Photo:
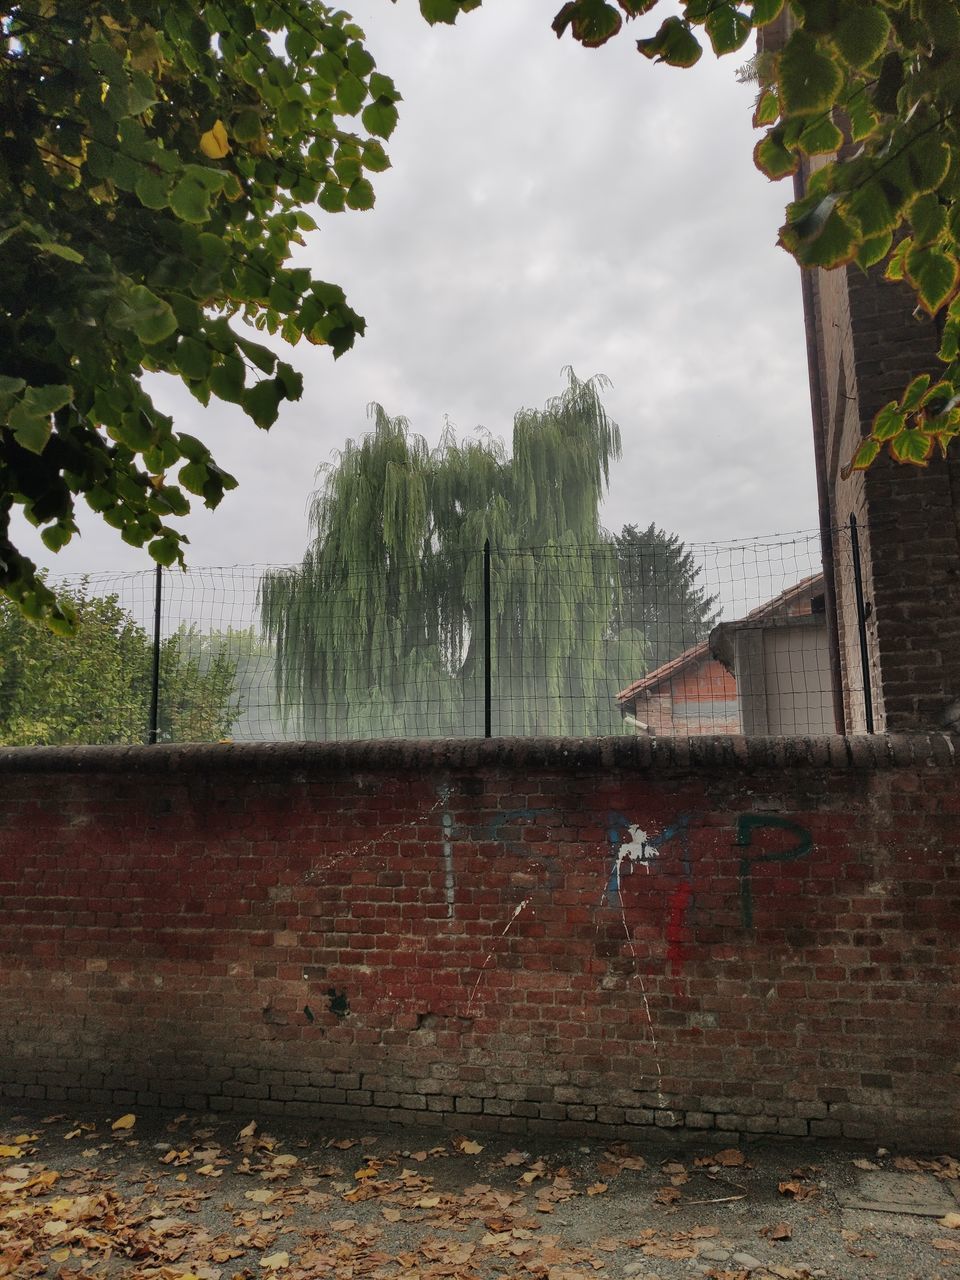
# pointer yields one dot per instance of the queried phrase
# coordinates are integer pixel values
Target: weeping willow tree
(379, 631)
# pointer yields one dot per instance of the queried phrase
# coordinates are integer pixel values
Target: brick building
(864, 343)
(767, 672)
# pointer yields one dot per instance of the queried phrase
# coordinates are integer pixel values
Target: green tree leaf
(820, 137)
(912, 397)
(934, 274)
(380, 118)
(862, 33)
(810, 80)
(262, 401)
(151, 318)
(727, 27)
(912, 446)
(889, 422)
(31, 419)
(674, 43)
(773, 158)
(864, 457)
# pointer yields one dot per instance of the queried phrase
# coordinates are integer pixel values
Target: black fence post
(154, 732)
(487, 671)
(861, 623)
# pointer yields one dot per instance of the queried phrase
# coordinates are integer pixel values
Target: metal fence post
(861, 623)
(154, 731)
(487, 672)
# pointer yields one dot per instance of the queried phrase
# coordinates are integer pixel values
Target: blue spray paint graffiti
(642, 849)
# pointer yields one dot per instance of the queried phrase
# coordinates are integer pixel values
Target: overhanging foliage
(155, 159)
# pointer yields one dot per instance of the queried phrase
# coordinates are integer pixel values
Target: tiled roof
(702, 650)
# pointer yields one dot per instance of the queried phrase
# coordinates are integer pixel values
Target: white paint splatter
(331, 861)
(483, 968)
(643, 989)
(639, 850)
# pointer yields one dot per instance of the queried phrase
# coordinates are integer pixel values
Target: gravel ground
(85, 1195)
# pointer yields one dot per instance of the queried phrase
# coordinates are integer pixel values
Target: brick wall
(482, 935)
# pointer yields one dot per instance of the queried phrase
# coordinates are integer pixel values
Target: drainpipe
(820, 459)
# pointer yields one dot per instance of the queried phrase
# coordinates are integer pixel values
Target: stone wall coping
(652, 755)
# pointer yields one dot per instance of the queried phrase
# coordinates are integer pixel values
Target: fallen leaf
(8, 1153)
(947, 1246)
(248, 1130)
(799, 1190)
(125, 1122)
(469, 1147)
(343, 1144)
(597, 1189)
(514, 1157)
(658, 1249)
(261, 1196)
(276, 1261)
(666, 1195)
(950, 1220)
(778, 1231)
(426, 1202)
(865, 1164)
(60, 1255)
(729, 1158)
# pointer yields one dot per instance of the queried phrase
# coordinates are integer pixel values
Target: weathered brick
(830, 1012)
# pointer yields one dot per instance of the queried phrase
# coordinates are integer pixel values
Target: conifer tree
(660, 594)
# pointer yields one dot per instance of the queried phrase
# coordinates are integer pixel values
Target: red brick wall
(436, 933)
(706, 681)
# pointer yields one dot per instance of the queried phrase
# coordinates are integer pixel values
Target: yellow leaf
(8, 1152)
(210, 1171)
(469, 1147)
(125, 1122)
(427, 1202)
(54, 1228)
(60, 1255)
(261, 1196)
(276, 1261)
(214, 143)
(26, 1137)
(248, 1130)
(950, 1220)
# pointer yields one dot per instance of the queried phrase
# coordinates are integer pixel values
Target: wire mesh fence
(637, 635)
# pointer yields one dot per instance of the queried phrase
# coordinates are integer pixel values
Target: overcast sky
(548, 205)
